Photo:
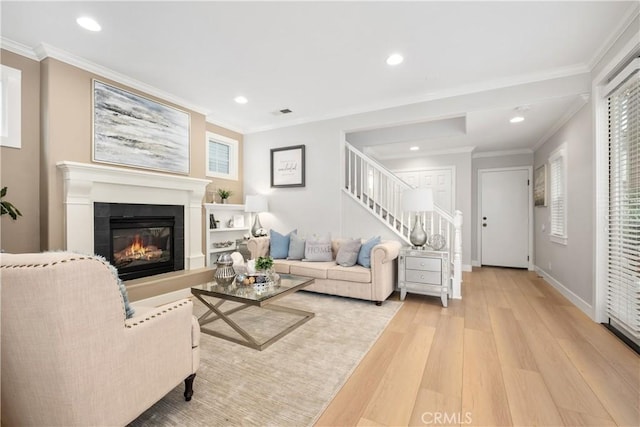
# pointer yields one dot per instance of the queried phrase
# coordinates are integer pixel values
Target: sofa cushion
(348, 252)
(364, 256)
(356, 273)
(279, 248)
(296, 246)
(283, 265)
(317, 270)
(318, 249)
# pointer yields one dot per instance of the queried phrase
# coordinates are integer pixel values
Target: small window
(10, 107)
(558, 194)
(222, 156)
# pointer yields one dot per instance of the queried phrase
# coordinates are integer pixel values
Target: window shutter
(623, 272)
(222, 156)
(558, 192)
(219, 157)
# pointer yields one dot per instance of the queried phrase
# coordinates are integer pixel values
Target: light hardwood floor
(514, 351)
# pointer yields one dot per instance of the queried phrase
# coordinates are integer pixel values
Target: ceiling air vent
(281, 112)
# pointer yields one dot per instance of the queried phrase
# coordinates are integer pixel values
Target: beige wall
(67, 135)
(19, 169)
(236, 187)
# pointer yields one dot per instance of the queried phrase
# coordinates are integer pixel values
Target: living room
(57, 126)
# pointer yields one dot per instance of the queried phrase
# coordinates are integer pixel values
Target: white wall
(315, 208)
(571, 267)
(319, 206)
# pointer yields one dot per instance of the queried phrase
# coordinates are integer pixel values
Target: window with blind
(222, 156)
(558, 194)
(10, 110)
(623, 270)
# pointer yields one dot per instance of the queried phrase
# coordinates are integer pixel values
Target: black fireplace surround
(139, 239)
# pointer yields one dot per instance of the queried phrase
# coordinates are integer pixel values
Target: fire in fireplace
(140, 245)
(140, 240)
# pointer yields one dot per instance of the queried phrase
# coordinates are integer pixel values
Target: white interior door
(504, 213)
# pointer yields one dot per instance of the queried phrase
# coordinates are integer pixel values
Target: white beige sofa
(69, 355)
(372, 284)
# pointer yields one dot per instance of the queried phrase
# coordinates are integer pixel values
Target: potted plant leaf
(224, 194)
(7, 207)
(264, 263)
(264, 268)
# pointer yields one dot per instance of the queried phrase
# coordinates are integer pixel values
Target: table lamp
(417, 200)
(256, 204)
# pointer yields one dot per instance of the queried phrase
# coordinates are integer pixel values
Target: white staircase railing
(379, 191)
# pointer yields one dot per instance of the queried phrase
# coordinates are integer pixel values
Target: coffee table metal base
(215, 313)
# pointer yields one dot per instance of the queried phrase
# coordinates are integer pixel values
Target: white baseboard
(475, 263)
(466, 267)
(584, 306)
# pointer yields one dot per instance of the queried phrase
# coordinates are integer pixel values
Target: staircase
(379, 191)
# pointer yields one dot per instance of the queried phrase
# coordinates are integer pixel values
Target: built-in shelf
(228, 229)
(223, 213)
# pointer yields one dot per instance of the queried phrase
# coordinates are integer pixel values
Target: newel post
(457, 256)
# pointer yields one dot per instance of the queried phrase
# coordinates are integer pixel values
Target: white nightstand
(424, 272)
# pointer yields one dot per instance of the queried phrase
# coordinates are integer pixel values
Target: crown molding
(634, 12)
(571, 111)
(500, 153)
(209, 119)
(370, 151)
(47, 51)
(18, 48)
(569, 71)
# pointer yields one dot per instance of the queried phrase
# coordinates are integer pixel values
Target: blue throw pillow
(364, 256)
(279, 244)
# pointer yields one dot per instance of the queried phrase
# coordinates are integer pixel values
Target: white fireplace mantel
(86, 183)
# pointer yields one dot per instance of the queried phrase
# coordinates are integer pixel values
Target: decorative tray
(222, 244)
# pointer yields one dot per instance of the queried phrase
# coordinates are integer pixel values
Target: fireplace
(140, 240)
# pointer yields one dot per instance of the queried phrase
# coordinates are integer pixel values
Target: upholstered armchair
(69, 354)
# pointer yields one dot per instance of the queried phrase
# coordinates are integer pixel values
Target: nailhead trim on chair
(94, 259)
(49, 263)
(76, 258)
(153, 316)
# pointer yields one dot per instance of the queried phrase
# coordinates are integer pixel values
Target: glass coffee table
(214, 295)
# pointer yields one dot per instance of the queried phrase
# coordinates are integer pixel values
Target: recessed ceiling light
(414, 148)
(520, 112)
(241, 99)
(88, 23)
(395, 59)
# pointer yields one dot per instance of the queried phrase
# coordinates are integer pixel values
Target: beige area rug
(289, 383)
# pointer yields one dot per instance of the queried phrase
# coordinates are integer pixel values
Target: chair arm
(166, 336)
(385, 251)
(258, 246)
(383, 269)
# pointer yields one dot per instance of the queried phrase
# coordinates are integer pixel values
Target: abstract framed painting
(287, 166)
(540, 186)
(131, 130)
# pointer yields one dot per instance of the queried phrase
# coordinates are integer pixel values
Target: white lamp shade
(417, 200)
(256, 203)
